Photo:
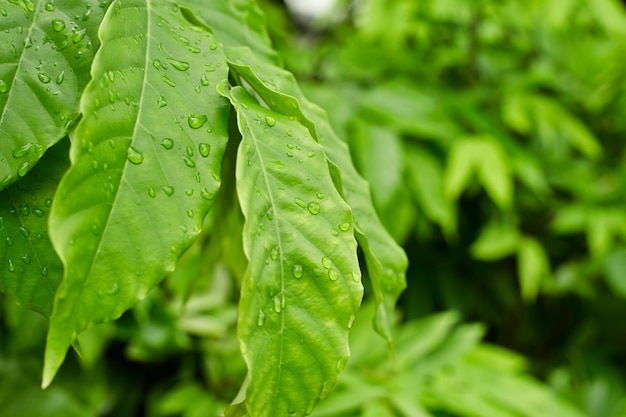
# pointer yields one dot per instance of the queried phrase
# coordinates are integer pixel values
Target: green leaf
(615, 271)
(302, 288)
(31, 269)
(386, 261)
(426, 182)
(45, 54)
(483, 156)
(146, 161)
(495, 241)
(532, 266)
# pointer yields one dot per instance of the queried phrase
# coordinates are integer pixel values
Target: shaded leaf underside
(146, 160)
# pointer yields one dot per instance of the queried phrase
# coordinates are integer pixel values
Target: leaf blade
(119, 225)
(302, 287)
(45, 66)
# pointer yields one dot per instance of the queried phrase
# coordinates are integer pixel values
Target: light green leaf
(495, 241)
(386, 261)
(426, 182)
(45, 54)
(146, 161)
(532, 267)
(302, 288)
(615, 271)
(483, 156)
(30, 269)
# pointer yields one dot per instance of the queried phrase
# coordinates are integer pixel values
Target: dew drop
(356, 277)
(135, 156)
(311, 154)
(48, 202)
(168, 190)
(334, 232)
(43, 78)
(213, 46)
(344, 227)
(168, 81)
(326, 262)
(274, 254)
(341, 364)
(79, 36)
(38, 212)
(206, 194)
(277, 304)
(332, 274)
(3, 86)
(270, 214)
(11, 266)
(189, 192)
(297, 271)
(189, 150)
(9, 241)
(167, 143)
(23, 150)
(58, 25)
(290, 154)
(50, 7)
(196, 121)
(26, 258)
(156, 64)
(24, 209)
(60, 77)
(261, 319)
(204, 149)
(313, 207)
(151, 192)
(189, 162)
(270, 121)
(319, 195)
(161, 102)
(23, 168)
(115, 288)
(179, 65)
(351, 321)
(190, 214)
(299, 202)
(204, 80)
(24, 231)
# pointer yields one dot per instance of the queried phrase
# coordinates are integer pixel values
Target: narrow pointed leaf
(386, 261)
(302, 287)
(30, 269)
(45, 53)
(146, 160)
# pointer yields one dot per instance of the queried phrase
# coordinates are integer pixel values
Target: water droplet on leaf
(58, 25)
(344, 227)
(135, 156)
(313, 207)
(23, 150)
(151, 192)
(23, 168)
(11, 266)
(60, 77)
(179, 65)
(43, 78)
(168, 190)
(274, 254)
(261, 319)
(297, 271)
(167, 143)
(270, 121)
(326, 262)
(204, 149)
(299, 202)
(196, 121)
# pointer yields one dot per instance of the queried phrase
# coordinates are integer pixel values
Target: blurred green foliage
(492, 135)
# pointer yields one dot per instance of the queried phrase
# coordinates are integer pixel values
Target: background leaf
(45, 54)
(302, 287)
(145, 165)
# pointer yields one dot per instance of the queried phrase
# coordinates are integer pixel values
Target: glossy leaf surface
(302, 288)
(45, 53)
(145, 168)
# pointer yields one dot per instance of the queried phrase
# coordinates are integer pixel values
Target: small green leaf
(45, 56)
(30, 269)
(146, 160)
(532, 265)
(495, 241)
(302, 287)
